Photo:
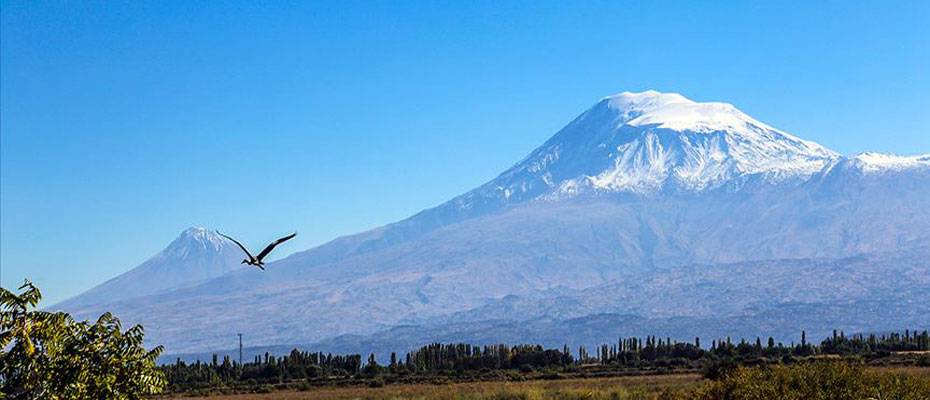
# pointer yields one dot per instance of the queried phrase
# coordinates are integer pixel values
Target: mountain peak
(646, 100)
(198, 232)
(678, 113)
(196, 255)
(647, 141)
(199, 237)
(195, 230)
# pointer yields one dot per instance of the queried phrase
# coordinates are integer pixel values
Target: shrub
(718, 369)
(45, 355)
(924, 361)
(820, 380)
(314, 371)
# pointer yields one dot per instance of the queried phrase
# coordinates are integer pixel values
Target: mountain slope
(639, 183)
(633, 146)
(197, 255)
(778, 298)
(636, 143)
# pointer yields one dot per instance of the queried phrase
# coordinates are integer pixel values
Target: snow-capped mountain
(637, 189)
(643, 142)
(195, 256)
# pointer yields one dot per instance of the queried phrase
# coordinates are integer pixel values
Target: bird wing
(237, 242)
(273, 244)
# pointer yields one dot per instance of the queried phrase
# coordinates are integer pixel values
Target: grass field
(613, 388)
(623, 387)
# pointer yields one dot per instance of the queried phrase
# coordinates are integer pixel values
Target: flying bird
(257, 260)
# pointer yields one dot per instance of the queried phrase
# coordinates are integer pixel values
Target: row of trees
(296, 365)
(858, 344)
(302, 365)
(630, 353)
(439, 356)
(634, 351)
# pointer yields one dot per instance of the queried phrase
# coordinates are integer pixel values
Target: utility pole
(240, 350)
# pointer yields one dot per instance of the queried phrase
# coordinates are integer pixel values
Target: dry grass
(689, 386)
(910, 370)
(645, 387)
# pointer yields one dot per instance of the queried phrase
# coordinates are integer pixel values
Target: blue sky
(121, 124)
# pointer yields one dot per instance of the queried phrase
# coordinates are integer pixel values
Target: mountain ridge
(687, 203)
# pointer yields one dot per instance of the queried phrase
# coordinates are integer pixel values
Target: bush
(718, 369)
(820, 380)
(50, 356)
(924, 361)
(314, 371)
(551, 375)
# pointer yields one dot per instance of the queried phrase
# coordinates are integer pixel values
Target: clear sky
(123, 124)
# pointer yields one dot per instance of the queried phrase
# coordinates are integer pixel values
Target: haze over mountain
(648, 214)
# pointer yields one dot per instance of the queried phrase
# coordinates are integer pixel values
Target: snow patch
(198, 236)
(878, 162)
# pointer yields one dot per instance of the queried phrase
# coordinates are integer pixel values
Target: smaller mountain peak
(199, 235)
(198, 232)
(195, 230)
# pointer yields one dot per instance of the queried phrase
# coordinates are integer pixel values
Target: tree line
(648, 353)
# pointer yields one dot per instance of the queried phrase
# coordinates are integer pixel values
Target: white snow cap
(645, 101)
(198, 232)
(199, 236)
(643, 142)
(676, 112)
(747, 147)
(875, 162)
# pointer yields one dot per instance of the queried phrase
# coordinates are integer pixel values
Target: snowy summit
(651, 141)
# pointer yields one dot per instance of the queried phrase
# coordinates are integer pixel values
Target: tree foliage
(48, 355)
